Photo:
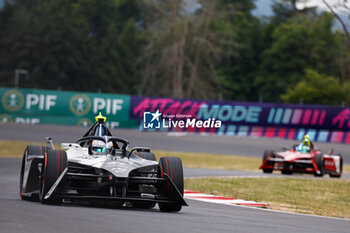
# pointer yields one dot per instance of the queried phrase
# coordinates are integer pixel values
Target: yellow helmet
(306, 140)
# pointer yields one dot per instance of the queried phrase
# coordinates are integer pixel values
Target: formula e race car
(100, 169)
(300, 160)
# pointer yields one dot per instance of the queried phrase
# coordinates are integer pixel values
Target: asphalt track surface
(234, 145)
(22, 216)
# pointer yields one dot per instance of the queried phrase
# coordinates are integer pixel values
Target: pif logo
(13, 100)
(151, 120)
(5, 118)
(80, 104)
(84, 122)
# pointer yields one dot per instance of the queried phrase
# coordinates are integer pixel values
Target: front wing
(87, 183)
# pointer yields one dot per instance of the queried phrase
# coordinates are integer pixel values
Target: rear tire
(318, 158)
(272, 163)
(172, 166)
(55, 162)
(30, 150)
(147, 155)
(340, 169)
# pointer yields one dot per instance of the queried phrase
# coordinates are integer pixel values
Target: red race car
(302, 160)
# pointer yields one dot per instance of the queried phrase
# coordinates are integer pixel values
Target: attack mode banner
(33, 106)
(323, 123)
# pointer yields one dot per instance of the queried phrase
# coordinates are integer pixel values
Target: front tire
(55, 162)
(172, 166)
(318, 158)
(272, 163)
(32, 182)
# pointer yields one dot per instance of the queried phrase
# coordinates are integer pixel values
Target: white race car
(99, 168)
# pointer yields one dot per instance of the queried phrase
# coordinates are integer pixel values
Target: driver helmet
(306, 140)
(98, 147)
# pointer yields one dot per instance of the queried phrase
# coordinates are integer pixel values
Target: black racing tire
(30, 150)
(172, 166)
(55, 162)
(147, 155)
(340, 169)
(318, 158)
(265, 155)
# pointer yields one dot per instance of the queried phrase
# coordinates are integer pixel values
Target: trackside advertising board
(322, 123)
(33, 106)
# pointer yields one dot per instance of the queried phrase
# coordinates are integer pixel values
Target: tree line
(175, 48)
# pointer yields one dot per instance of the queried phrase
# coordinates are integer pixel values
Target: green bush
(316, 88)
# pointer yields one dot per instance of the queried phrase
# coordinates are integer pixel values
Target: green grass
(310, 196)
(15, 149)
(214, 161)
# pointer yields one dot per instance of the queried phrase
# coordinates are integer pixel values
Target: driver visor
(99, 149)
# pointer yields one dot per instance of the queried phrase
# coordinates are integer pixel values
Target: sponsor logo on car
(329, 164)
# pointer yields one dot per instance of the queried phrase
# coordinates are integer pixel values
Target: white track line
(221, 200)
